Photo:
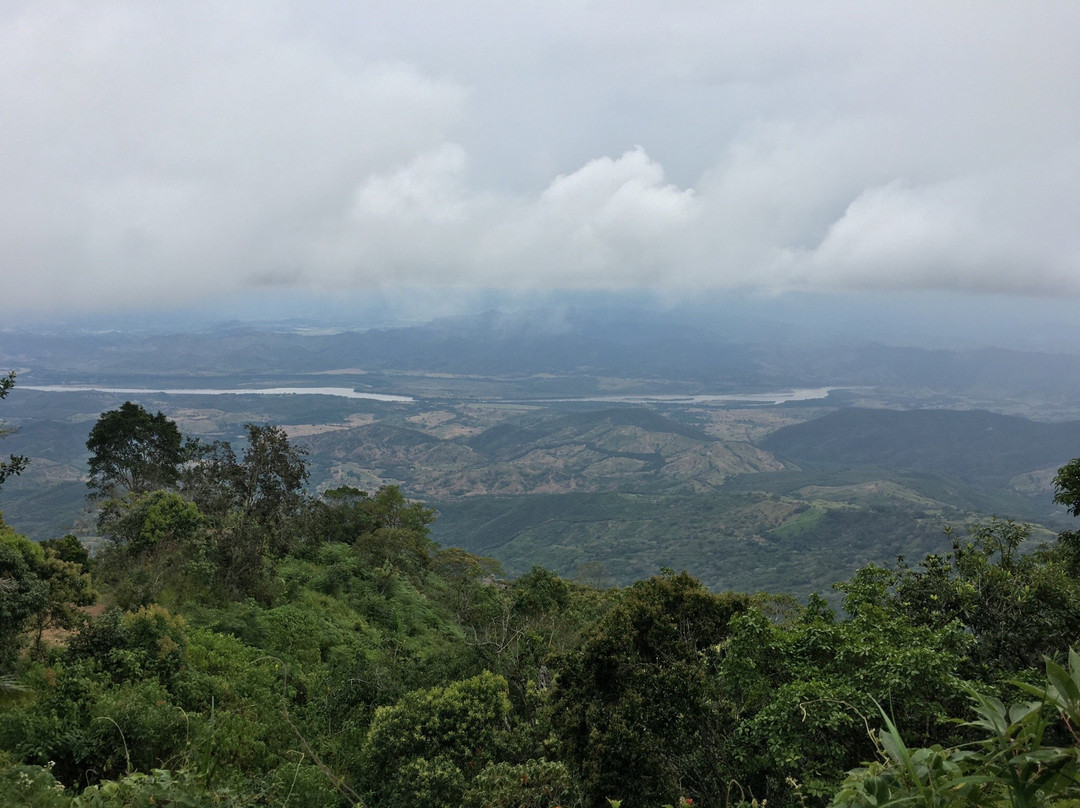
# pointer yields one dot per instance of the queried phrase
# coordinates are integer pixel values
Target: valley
(786, 490)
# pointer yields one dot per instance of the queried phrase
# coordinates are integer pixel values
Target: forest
(239, 641)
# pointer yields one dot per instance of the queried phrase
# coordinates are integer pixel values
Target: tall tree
(134, 451)
(22, 593)
(253, 503)
(15, 463)
(1067, 493)
(635, 704)
(1067, 486)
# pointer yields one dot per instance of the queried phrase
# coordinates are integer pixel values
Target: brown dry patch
(749, 424)
(58, 637)
(454, 431)
(307, 430)
(431, 419)
(48, 472)
(197, 421)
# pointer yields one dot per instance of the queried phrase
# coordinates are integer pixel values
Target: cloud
(610, 223)
(983, 232)
(151, 153)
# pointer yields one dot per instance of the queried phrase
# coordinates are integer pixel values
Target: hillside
(623, 449)
(976, 446)
(784, 498)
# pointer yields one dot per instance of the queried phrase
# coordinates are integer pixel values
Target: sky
(159, 154)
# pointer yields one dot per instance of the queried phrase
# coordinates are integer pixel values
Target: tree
(15, 463)
(42, 592)
(270, 485)
(252, 504)
(797, 691)
(266, 486)
(1018, 607)
(22, 595)
(68, 588)
(156, 541)
(1067, 485)
(134, 451)
(424, 749)
(635, 704)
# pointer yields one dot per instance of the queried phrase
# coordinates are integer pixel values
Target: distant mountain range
(537, 354)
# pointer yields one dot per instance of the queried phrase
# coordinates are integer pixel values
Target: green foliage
(40, 591)
(635, 704)
(733, 538)
(156, 787)
(1067, 486)
(342, 514)
(133, 451)
(69, 587)
(533, 784)
(253, 505)
(423, 750)
(22, 595)
(386, 529)
(30, 787)
(15, 464)
(1018, 607)
(1011, 763)
(156, 542)
(799, 692)
(327, 653)
(91, 727)
(69, 548)
(268, 486)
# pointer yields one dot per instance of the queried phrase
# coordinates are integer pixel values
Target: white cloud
(610, 223)
(153, 152)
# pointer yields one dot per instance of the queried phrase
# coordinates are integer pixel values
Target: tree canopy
(133, 451)
(259, 645)
(15, 463)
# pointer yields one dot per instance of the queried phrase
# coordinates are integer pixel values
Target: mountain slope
(974, 445)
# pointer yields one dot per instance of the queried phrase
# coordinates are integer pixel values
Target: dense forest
(237, 641)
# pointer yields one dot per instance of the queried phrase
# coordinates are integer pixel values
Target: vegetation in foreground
(252, 645)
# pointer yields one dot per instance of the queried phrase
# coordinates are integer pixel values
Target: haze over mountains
(570, 437)
(651, 350)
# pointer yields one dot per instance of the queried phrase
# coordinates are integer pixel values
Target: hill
(623, 449)
(977, 446)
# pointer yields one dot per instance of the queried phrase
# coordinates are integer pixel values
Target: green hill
(974, 445)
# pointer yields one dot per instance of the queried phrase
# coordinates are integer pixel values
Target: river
(342, 392)
(774, 397)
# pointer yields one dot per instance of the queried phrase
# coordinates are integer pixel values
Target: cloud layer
(162, 152)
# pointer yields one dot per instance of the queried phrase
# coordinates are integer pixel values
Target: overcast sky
(166, 152)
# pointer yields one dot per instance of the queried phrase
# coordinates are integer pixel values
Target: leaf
(1063, 683)
(1019, 712)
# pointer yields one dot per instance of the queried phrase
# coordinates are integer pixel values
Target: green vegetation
(570, 486)
(15, 463)
(132, 451)
(237, 641)
(731, 539)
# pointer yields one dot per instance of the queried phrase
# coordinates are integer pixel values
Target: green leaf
(1062, 682)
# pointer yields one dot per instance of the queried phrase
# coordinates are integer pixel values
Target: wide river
(343, 392)
(774, 397)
